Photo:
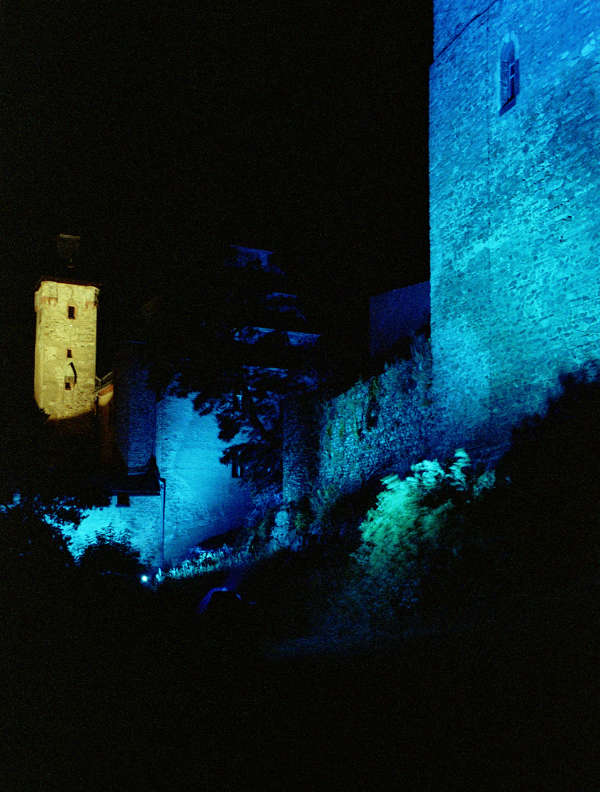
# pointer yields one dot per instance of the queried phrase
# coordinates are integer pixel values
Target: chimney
(67, 247)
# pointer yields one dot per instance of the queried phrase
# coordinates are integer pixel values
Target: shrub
(547, 505)
(31, 540)
(204, 561)
(37, 566)
(109, 556)
(415, 531)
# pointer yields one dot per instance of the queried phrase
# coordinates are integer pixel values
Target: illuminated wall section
(137, 519)
(514, 178)
(201, 497)
(65, 347)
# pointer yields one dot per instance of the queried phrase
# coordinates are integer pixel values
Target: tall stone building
(514, 179)
(159, 460)
(65, 347)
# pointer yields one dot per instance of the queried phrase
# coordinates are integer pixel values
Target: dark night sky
(138, 125)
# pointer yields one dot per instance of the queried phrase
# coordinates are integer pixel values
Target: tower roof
(60, 279)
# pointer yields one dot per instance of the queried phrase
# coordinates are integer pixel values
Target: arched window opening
(509, 77)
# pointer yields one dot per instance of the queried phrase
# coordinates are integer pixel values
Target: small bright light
(144, 578)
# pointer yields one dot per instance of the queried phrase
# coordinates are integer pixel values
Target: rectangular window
(237, 469)
(67, 385)
(69, 353)
(71, 311)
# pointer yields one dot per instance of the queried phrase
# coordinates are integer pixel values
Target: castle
(514, 291)
(514, 134)
(514, 172)
(513, 139)
(160, 458)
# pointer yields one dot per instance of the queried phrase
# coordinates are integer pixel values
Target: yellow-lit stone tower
(65, 346)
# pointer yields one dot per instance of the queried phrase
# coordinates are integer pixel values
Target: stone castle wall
(377, 426)
(515, 292)
(140, 523)
(452, 16)
(201, 497)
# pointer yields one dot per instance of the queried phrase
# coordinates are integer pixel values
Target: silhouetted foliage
(31, 540)
(201, 342)
(540, 524)
(37, 567)
(549, 498)
(109, 556)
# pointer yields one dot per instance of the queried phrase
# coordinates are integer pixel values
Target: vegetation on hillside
(219, 333)
(431, 548)
(443, 545)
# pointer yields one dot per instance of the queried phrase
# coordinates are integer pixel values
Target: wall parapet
(379, 425)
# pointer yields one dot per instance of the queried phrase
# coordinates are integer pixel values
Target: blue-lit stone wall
(202, 499)
(451, 16)
(139, 523)
(300, 443)
(515, 286)
(378, 426)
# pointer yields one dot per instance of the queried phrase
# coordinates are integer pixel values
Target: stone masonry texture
(378, 426)
(65, 348)
(514, 224)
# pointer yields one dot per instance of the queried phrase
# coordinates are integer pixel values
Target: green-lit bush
(414, 533)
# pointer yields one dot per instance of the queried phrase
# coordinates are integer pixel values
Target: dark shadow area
(544, 513)
(112, 688)
(532, 541)
(113, 685)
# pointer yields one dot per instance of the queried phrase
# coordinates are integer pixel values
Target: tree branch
(250, 408)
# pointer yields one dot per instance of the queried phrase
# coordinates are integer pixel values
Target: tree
(228, 335)
(46, 480)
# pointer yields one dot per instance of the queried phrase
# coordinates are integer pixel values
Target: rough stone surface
(202, 499)
(299, 460)
(139, 523)
(64, 385)
(514, 226)
(452, 16)
(377, 426)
